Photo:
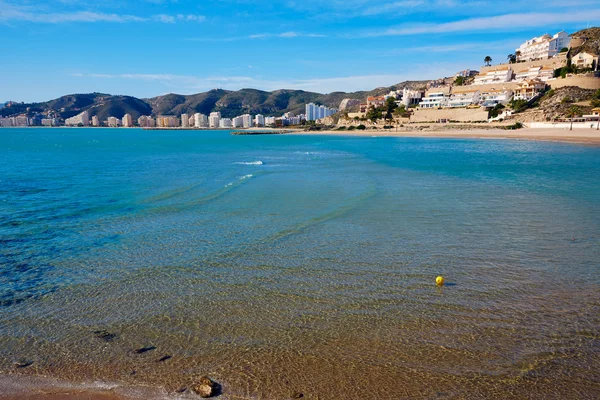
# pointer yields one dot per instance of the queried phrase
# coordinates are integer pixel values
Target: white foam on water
(250, 163)
(246, 176)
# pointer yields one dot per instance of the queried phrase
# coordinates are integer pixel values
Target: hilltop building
(527, 90)
(543, 47)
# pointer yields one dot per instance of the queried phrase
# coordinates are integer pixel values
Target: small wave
(251, 163)
(246, 176)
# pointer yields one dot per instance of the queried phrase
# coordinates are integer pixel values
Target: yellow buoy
(439, 281)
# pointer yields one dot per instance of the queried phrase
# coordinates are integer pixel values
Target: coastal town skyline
(367, 46)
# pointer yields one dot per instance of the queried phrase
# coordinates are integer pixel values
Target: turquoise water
(302, 263)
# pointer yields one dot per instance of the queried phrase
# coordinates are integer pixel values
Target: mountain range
(229, 103)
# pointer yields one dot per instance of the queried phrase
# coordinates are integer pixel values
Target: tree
(511, 58)
(459, 81)
(390, 106)
(518, 55)
(573, 112)
(487, 60)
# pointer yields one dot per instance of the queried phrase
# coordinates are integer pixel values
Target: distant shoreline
(582, 136)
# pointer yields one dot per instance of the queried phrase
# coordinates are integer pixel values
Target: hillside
(229, 103)
(591, 41)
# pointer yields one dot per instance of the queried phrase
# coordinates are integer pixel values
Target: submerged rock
(206, 387)
(297, 395)
(164, 358)
(23, 363)
(145, 349)
(105, 335)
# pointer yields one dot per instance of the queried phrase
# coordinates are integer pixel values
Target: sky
(146, 48)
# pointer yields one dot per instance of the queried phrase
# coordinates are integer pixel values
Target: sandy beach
(586, 136)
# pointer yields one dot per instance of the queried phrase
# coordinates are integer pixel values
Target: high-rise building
(214, 119)
(146, 122)
(237, 122)
(225, 123)
(200, 120)
(315, 112)
(113, 122)
(95, 121)
(259, 120)
(247, 120)
(185, 121)
(127, 121)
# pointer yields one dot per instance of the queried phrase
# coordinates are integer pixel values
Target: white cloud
(491, 24)
(9, 12)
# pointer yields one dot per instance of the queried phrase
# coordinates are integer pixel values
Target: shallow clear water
(312, 270)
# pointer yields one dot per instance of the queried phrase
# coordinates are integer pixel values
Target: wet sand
(584, 136)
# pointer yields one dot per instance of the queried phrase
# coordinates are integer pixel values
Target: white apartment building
(540, 73)
(167, 121)
(410, 97)
(543, 47)
(225, 123)
(586, 60)
(146, 122)
(185, 121)
(127, 121)
(270, 121)
(434, 100)
(113, 122)
(95, 121)
(259, 120)
(214, 119)
(502, 75)
(22, 120)
(6, 122)
(81, 118)
(47, 122)
(493, 97)
(237, 122)
(200, 120)
(463, 99)
(247, 121)
(315, 112)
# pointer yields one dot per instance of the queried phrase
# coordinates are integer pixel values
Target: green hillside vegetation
(229, 103)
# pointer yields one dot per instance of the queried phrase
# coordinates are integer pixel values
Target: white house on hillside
(501, 75)
(463, 99)
(543, 47)
(434, 100)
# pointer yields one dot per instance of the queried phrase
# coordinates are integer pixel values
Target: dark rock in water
(145, 349)
(105, 335)
(206, 387)
(133, 372)
(23, 363)
(164, 358)
(181, 389)
(297, 395)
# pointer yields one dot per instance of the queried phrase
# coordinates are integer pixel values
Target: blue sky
(146, 48)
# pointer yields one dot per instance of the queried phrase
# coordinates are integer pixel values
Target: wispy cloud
(14, 13)
(490, 24)
(255, 36)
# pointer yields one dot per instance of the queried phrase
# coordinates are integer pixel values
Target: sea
(300, 266)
